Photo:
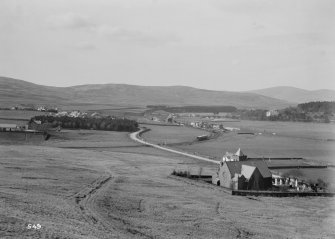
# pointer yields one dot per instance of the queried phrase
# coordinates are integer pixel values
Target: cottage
(8, 127)
(244, 175)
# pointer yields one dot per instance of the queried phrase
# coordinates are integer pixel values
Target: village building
(195, 124)
(9, 127)
(41, 108)
(74, 114)
(63, 113)
(243, 175)
(272, 113)
(231, 129)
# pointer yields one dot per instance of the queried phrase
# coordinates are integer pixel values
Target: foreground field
(100, 193)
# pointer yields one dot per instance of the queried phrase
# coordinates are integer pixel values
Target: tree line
(318, 111)
(104, 123)
(194, 108)
(327, 107)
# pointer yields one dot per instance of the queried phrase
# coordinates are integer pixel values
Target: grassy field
(306, 140)
(18, 117)
(296, 130)
(172, 134)
(114, 188)
(267, 146)
(20, 114)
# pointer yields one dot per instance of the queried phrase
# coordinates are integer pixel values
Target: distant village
(37, 125)
(32, 108)
(54, 110)
(204, 121)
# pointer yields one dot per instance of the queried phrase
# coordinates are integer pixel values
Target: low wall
(280, 194)
(300, 166)
(143, 131)
(267, 158)
(158, 124)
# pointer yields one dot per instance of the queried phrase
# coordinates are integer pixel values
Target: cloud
(70, 21)
(84, 45)
(244, 6)
(74, 21)
(119, 34)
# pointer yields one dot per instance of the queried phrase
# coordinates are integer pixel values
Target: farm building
(8, 127)
(244, 175)
(202, 137)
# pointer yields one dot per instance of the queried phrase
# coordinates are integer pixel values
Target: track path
(135, 136)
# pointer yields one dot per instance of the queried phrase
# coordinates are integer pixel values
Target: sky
(233, 45)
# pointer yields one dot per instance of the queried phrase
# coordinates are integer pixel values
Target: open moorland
(19, 117)
(114, 188)
(19, 114)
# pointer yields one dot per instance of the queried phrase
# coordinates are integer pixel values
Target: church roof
(236, 166)
(247, 171)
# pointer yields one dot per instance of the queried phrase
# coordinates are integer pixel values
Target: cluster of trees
(318, 111)
(326, 107)
(292, 114)
(104, 123)
(306, 112)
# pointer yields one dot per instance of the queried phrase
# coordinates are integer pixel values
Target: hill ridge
(297, 95)
(14, 91)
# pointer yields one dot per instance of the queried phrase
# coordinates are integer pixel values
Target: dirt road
(135, 136)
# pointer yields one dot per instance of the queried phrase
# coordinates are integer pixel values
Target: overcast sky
(212, 44)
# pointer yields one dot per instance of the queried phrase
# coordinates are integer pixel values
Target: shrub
(180, 173)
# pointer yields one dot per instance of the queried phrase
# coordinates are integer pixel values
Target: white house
(272, 113)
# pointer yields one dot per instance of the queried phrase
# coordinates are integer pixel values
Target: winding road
(134, 136)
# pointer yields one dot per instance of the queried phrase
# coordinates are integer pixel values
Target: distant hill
(13, 91)
(296, 95)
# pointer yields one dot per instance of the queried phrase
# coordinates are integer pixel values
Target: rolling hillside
(14, 91)
(297, 95)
